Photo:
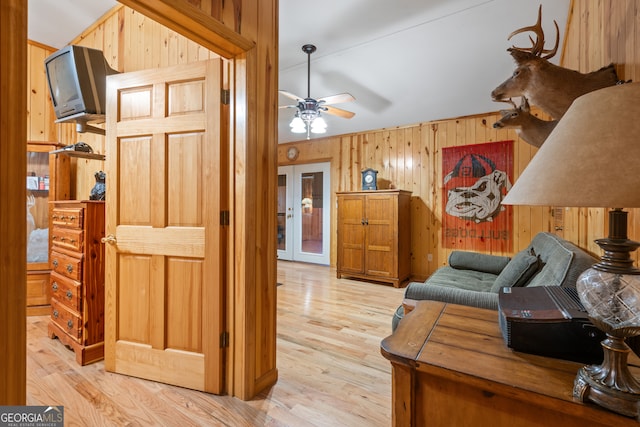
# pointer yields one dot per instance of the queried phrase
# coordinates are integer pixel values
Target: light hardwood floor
(331, 372)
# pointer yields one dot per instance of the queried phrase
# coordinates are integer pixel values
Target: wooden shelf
(80, 154)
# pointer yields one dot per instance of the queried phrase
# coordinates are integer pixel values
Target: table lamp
(592, 159)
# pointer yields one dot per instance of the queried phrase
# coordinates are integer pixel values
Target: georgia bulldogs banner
(476, 179)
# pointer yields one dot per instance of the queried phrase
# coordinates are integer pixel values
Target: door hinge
(224, 217)
(225, 96)
(224, 340)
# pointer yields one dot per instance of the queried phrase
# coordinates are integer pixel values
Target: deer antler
(537, 47)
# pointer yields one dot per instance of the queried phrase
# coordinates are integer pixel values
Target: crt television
(77, 81)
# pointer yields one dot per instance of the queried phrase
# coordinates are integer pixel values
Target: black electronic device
(549, 321)
(76, 76)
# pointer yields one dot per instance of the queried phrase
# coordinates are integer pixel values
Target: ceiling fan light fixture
(319, 125)
(308, 110)
(297, 125)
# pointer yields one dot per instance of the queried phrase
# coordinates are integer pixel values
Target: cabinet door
(381, 220)
(351, 234)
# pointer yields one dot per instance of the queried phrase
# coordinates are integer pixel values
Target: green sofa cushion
(477, 261)
(518, 272)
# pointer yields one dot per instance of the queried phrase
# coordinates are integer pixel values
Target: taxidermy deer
(548, 86)
(528, 127)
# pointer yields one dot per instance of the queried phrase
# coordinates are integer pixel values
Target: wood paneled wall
(598, 32)
(409, 158)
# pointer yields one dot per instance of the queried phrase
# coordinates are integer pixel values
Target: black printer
(549, 321)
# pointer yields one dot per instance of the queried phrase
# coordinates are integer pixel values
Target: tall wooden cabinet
(374, 235)
(77, 277)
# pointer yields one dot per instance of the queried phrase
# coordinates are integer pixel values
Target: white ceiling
(405, 61)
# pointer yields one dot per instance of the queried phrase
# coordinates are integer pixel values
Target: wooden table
(451, 367)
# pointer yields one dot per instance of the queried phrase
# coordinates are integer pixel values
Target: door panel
(165, 281)
(285, 213)
(380, 236)
(303, 216)
(351, 241)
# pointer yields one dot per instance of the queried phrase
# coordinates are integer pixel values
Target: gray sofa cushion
(477, 261)
(449, 277)
(518, 272)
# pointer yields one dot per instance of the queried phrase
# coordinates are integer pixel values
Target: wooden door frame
(13, 169)
(247, 372)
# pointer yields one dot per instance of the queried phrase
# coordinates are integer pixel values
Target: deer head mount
(537, 48)
(530, 128)
(546, 85)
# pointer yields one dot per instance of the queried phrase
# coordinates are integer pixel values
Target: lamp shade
(592, 157)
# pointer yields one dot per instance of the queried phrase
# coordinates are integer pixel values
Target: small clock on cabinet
(369, 179)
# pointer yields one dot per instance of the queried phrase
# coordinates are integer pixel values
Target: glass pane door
(285, 214)
(303, 213)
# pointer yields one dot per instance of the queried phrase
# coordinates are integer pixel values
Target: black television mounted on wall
(76, 76)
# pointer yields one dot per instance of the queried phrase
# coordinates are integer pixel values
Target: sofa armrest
(424, 291)
(486, 263)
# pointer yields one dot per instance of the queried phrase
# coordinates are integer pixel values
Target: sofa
(475, 279)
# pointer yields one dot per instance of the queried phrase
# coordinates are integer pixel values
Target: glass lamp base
(611, 384)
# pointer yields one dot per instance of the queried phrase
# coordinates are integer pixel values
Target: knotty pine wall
(598, 32)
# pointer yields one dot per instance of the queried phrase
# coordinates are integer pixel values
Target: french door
(304, 213)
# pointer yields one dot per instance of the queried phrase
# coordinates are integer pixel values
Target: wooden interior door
(164, 304)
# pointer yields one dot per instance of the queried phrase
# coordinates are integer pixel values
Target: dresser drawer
(66, 291)
(67, 217)
(66, 265)
(69, 321)
(69, 238)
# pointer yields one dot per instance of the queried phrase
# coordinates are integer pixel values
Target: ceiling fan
(308, 117)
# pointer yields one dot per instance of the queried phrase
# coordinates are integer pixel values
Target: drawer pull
(69, 324)
(72, 240)
(54, 237)
(54, 216)
(55, 263)
(55, 313)
(62, 239)
(70, 268)
(62, 217)
(69, 294)
(54, 286)
(72, 217)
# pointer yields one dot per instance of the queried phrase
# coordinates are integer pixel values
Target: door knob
(110, 239)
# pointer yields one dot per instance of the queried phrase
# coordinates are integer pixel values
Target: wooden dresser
(374, 235)
(77, 277)
(451, 367)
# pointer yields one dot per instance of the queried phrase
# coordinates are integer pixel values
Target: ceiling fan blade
(287, 106)
(290, 95)
(337, 99)
(338, 112)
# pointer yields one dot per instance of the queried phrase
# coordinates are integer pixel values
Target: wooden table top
(449, 339)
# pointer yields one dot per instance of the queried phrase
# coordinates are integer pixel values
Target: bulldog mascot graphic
(475, 189)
